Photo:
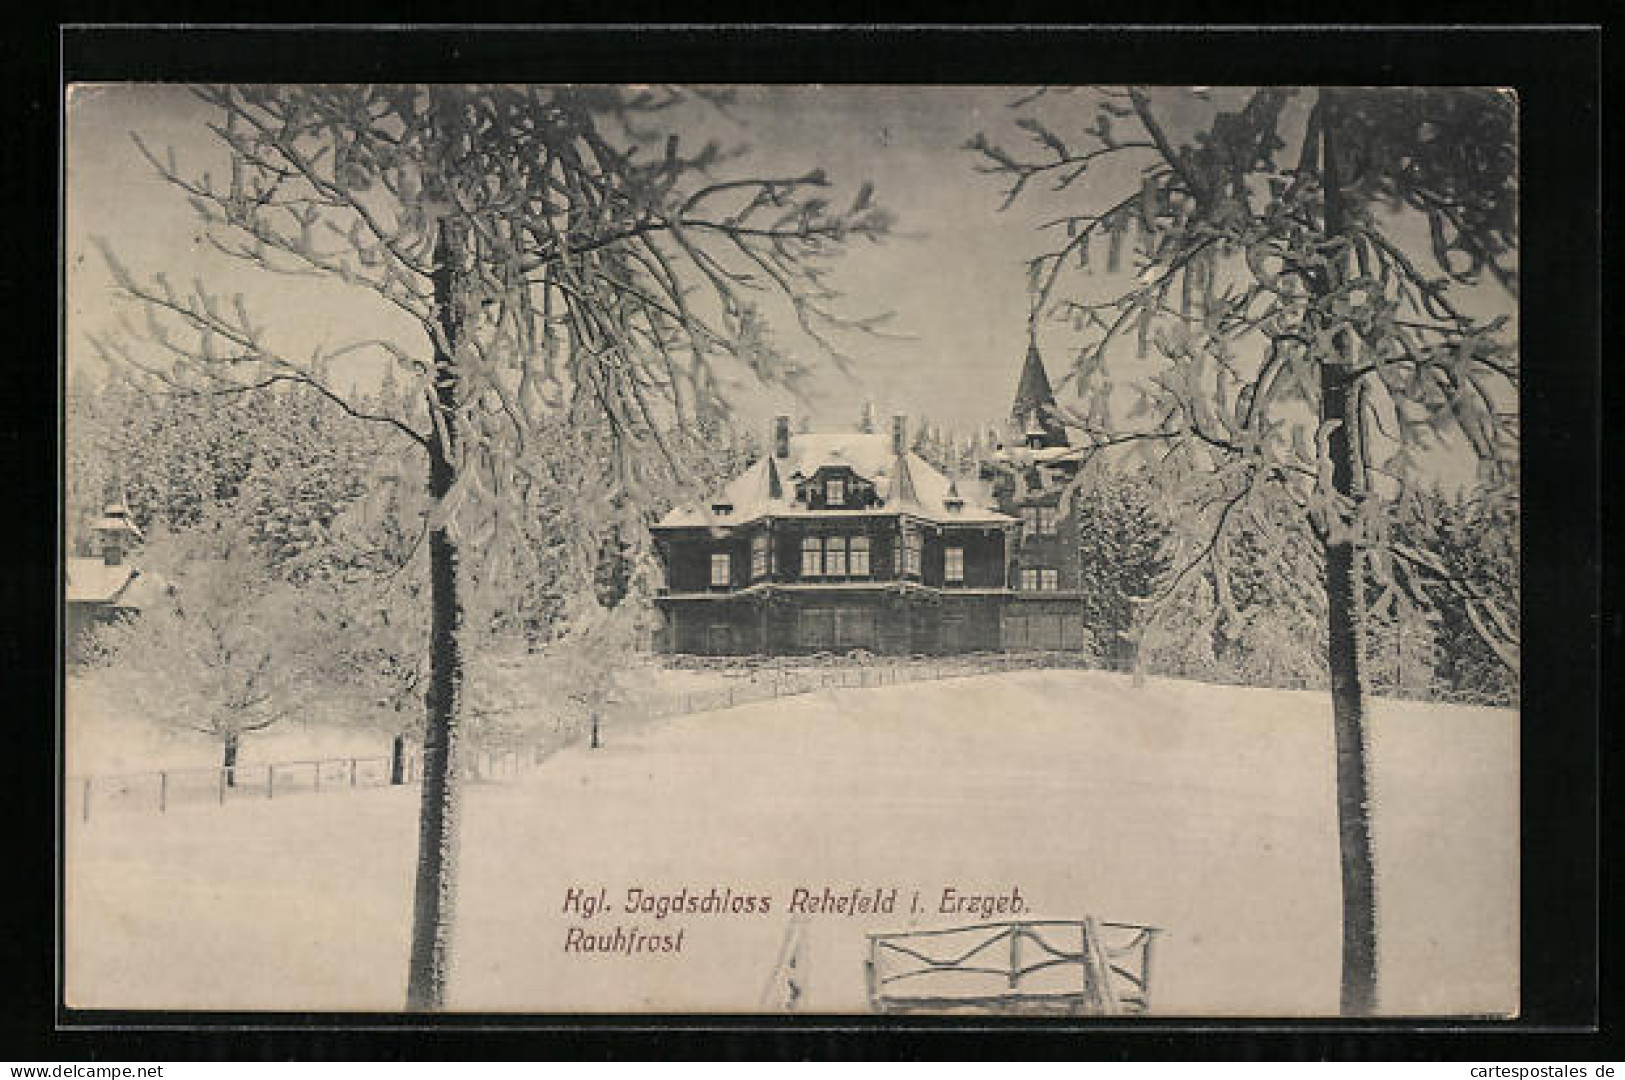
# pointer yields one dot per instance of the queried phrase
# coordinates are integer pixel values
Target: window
(1038, 521)
(759, 561)
(721, 568)
(859, 556)
(953, 565)
(835, 556)
(911, 552)
(835, 492)
(812, 557)
(1040, 579)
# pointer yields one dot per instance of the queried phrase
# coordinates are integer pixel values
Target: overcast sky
(953, 276)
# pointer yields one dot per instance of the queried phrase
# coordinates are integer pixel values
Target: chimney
(115, 533)
(899, 435)
(781, 437)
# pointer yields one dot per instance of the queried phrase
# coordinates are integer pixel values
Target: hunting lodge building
(841, 542)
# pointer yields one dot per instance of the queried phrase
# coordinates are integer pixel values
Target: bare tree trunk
(435, 896)
(1343, 625)
(397, 760)
(1344, 645)
(228, 759)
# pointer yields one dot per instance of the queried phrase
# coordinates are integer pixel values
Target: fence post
(222, 787)
(352, 772)
(85, 809)
(270, 781)
(318, 766)
(1015, 954)
(163, 791)
(1145, 966)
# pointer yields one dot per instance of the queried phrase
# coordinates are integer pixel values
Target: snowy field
(1207, 811)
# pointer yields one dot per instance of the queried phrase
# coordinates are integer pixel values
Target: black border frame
(1558, 73)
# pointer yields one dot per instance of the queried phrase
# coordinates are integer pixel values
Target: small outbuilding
(105, 586)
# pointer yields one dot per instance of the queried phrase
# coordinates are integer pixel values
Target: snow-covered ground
(1207, 811)
(106, 736)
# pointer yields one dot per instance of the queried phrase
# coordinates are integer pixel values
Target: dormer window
(722, 509)
(835, 492)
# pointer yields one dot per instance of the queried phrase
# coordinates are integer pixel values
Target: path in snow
(1205, 810)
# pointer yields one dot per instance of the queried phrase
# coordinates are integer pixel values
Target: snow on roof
(904, 484)
(1047, 455)
(116, 524)
(93, 581)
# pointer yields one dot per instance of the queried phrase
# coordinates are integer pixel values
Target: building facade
(104, 587)
(1028, 478)
(847, 542)
(835, 543)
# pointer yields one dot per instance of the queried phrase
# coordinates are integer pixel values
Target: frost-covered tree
(1279, 343)
(553, 254)
(283, 464)
(1120, 555)
(226, 652)
(1465, 544)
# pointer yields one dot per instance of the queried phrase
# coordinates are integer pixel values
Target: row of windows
(841, 556)
(836, 557)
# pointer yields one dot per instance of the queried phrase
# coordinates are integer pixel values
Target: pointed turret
(1033, 415)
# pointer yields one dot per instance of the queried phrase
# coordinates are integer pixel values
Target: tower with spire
(1029, 477)
(1033, 415)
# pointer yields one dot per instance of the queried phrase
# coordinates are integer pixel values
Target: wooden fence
(751, 679)
(1043, 967)
(163, 790)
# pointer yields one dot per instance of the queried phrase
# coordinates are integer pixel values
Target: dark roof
(1034, 408)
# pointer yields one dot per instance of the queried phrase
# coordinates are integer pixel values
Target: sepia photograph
(832, 550)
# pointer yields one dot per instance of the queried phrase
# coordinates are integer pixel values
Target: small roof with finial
(1034, 408)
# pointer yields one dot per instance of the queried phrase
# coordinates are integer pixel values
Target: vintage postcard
(906, 550)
